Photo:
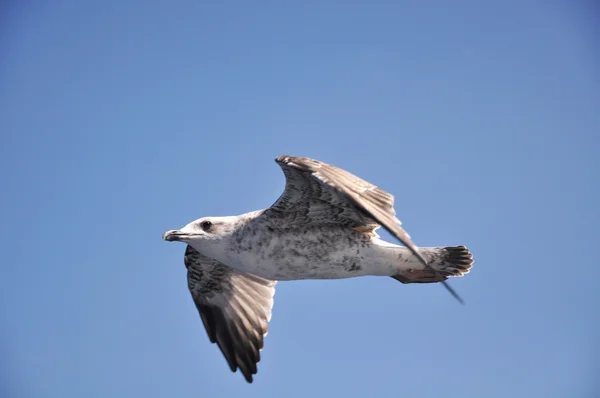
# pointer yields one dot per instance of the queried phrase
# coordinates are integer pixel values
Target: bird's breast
(301, 253)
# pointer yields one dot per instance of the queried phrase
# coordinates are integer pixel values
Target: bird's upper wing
(235, 309)
(318, 193)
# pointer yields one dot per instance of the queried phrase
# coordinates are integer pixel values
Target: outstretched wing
(235, 309)
(318, 193)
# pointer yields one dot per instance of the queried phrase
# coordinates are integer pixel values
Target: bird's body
(322, 227)
(278, 252)
(328, 252)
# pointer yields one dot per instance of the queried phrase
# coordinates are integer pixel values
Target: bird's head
(202, 232)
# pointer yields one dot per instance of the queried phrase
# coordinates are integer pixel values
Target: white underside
(377, 257)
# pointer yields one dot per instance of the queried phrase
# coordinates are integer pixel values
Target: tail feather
(446, 261)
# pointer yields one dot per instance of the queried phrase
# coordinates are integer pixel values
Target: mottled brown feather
(235, 309)
(319, 193)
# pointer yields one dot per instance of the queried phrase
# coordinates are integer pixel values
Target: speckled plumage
(322, 227)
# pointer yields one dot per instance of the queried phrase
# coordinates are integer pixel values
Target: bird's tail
(446, 261)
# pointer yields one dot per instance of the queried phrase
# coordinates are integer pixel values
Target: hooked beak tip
(171, 235)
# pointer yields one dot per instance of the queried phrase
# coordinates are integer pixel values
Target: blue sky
(121, 121)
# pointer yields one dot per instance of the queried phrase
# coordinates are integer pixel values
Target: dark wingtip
(446, 285)
(453, 292)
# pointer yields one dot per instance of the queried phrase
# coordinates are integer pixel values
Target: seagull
(321, 227)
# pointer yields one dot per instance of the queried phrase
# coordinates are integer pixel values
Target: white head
(205, 234)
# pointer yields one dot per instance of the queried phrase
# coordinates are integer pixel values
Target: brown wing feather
(310, 200)
(235, 309)
(320, 193)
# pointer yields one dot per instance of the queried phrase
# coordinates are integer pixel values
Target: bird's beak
(174, 235)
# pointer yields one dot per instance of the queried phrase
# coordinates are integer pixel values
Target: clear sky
(120, 120)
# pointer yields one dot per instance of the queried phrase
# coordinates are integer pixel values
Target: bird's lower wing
(234, 307)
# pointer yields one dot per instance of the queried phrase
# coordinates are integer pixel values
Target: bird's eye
(205, 225)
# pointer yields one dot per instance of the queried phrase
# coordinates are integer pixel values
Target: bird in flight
(321, 227)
